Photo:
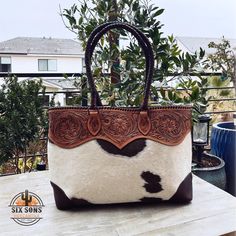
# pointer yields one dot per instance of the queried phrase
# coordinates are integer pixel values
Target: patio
(184, 121)
(212, 212)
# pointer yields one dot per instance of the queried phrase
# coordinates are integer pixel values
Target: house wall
(29, 63)
(59, 97)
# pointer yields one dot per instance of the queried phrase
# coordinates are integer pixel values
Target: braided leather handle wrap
(142, 40)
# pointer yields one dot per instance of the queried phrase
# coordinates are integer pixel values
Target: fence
(84, 101)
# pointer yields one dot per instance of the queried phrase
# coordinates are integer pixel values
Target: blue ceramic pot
(223, 145)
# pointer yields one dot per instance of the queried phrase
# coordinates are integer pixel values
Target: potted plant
(126, 88)
(206, 165)
(223, 137)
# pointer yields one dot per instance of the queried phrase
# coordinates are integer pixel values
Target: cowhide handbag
(104, 155)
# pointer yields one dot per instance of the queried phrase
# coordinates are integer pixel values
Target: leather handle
(145, 44)
(96, 39)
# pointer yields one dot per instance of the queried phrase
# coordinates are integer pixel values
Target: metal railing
(70, 75)
(79, 91)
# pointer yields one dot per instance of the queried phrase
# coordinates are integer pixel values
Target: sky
(195, 18)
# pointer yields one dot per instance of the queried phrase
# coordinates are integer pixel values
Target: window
(47, 64)
(52, 65)
(44, 100)
(5, 64)
(73, 98)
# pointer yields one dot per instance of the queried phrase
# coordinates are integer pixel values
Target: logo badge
(26, 208)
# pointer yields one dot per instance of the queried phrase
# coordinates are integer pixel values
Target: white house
(43, 55)
(192, 44)
(49, 55)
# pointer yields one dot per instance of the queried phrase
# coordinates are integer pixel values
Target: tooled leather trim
(69, 128)
(144, 123)
(94, 123)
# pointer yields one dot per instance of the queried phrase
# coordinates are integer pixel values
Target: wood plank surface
(212, 213)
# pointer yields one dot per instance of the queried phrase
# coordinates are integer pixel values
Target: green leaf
(202, 53)
(170, 95)
(195, 93)
(158, 12)
(176, 61)
(81, 20)
(188, 57)
(102, 40)
(135, 6)
(97, 71)
(224, 93)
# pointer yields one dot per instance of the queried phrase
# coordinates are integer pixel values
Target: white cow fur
(89, 172)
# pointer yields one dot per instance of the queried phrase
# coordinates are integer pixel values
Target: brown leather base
(183, 195)
(65, 203)
(185, 191)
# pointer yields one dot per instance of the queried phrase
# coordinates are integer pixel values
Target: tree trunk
(114, 39)
(17, 162)
(234, 74)
(25, 160)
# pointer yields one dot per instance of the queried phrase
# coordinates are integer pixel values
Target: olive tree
(223, 60)
(82, 18)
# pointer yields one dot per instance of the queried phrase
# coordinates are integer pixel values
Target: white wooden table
(212, 212)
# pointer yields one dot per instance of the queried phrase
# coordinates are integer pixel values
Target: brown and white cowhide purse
(104, 155)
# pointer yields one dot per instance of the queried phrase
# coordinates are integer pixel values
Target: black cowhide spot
(182, 195)
(152, 184)
(65, 203)
(130, 150)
